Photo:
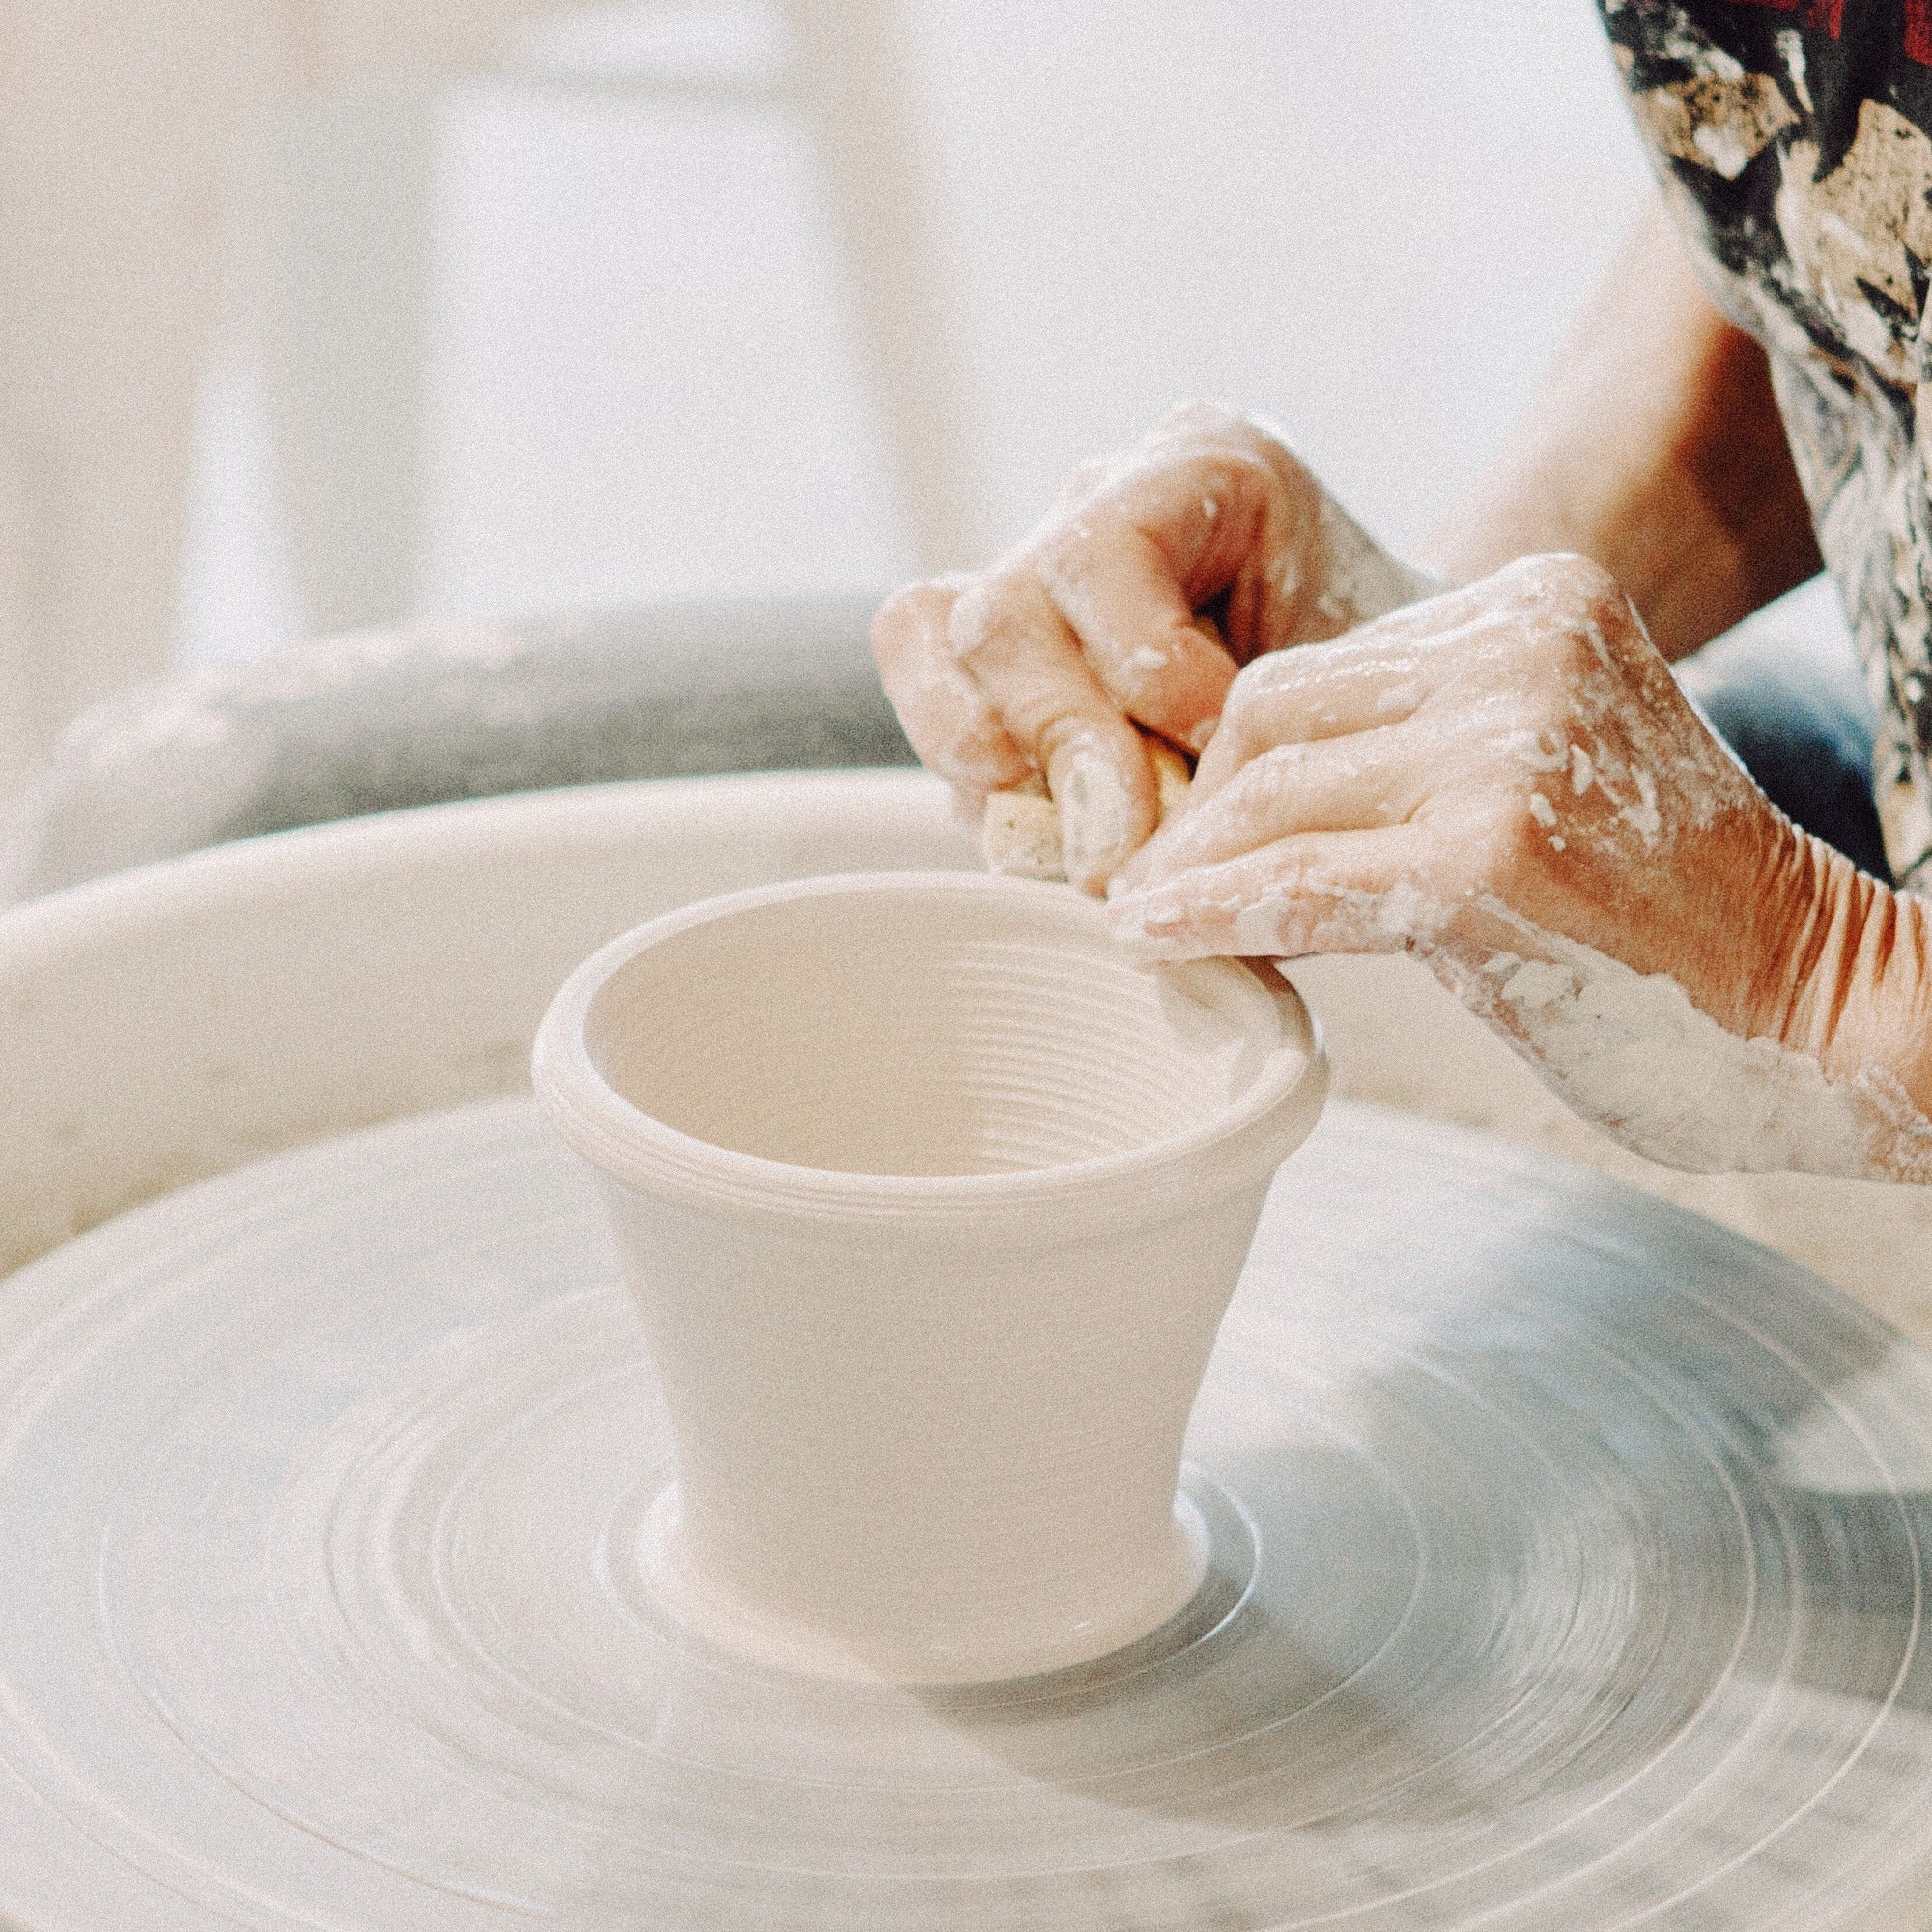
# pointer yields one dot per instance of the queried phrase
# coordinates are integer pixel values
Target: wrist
(1357, 579)
(1361, 580)
(1859, 966)
(1892, 995)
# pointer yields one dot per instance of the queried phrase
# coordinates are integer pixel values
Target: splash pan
(1566, 1573)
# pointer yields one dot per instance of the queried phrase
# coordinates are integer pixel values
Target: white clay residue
(1631, 1052)
(1641, 812)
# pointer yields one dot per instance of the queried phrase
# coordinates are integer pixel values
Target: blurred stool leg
(121, 122)
(853, 80)
(349, 254)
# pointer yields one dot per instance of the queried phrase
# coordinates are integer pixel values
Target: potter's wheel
(1569, 1575)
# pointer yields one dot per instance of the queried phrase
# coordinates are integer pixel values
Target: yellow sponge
(1021, 833)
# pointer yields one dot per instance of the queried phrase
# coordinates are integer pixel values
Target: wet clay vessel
(931, 1203)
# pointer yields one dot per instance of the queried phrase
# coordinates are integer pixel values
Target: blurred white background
(328, 313)
(641, 372)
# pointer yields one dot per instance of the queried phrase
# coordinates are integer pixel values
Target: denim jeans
(1784, 692)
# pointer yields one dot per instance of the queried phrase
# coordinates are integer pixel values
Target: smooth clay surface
(1567, 1573)
(931, 1201)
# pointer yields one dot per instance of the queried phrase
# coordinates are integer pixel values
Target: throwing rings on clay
(932, 1201)
(1567, 1571)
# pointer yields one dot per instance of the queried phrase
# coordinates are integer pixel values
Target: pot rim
(1232, 1148)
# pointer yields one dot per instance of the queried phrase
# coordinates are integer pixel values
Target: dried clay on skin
(1631, 1052)
(1544, 703)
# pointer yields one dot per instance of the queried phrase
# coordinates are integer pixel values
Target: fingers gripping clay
(1020, 836)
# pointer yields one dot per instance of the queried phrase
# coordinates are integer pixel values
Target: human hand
(1157, 574)
(1506, 782)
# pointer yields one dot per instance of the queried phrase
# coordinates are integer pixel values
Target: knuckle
(1142, 682)
(1561, 653)
(1226, 466)
(1246, 730)
(1061, 732)
(1273, 452)
(897, 614)
(1240, 470)
(963, 742)
(909, 614)
(909, 627)
(1198, 416)
(1248, 696)
(1213, 423)
(1063, 552)
(1081, 487)
(1544, 653)
(1579, 592)
(1206, 433)
(1262, 681)
(1581, 576)
(982, 616)
(1277, 769)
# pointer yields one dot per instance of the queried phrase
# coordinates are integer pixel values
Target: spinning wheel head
(1568, 1576)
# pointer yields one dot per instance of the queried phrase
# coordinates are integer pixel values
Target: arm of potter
(1020, 836)
(1654, 447)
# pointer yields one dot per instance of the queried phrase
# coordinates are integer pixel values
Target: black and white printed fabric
(1791, 137)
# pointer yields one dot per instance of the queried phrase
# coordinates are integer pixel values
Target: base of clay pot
(721, 1617)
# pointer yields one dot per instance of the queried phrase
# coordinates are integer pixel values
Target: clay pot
(931, 1201)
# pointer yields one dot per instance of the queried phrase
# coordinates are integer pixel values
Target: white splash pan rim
(1233, 1149)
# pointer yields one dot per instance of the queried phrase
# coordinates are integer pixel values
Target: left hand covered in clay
(1506, 782)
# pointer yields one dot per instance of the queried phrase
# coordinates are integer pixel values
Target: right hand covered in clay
(1157, 575)
(1506, 783)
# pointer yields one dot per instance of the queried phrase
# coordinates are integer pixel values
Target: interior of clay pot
(925, 1031)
